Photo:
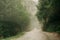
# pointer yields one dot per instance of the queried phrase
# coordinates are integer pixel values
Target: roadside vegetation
(14, 18)
(49, 14)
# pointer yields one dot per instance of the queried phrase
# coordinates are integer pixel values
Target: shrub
(13, 18)
(49, 14)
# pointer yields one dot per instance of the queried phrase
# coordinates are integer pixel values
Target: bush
(13, 18)
(49, 15)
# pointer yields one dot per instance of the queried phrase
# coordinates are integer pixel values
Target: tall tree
(49, 14)
(13, 18)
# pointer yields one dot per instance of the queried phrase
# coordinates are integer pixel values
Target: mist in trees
(13, 18)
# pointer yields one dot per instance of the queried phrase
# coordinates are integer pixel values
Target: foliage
(13, 18)
(49, 14)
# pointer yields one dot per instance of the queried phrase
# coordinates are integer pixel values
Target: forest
(49, 14)
(14, 18)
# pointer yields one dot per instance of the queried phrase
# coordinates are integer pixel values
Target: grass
(14, 37)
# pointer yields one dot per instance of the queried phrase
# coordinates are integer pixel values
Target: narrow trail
(36, 32)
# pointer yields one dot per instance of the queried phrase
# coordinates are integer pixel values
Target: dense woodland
(13, 18)
(49, 14)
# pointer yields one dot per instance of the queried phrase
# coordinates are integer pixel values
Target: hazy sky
(35, 0)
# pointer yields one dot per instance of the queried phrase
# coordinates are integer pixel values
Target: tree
(49, 14)
(13, 18)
